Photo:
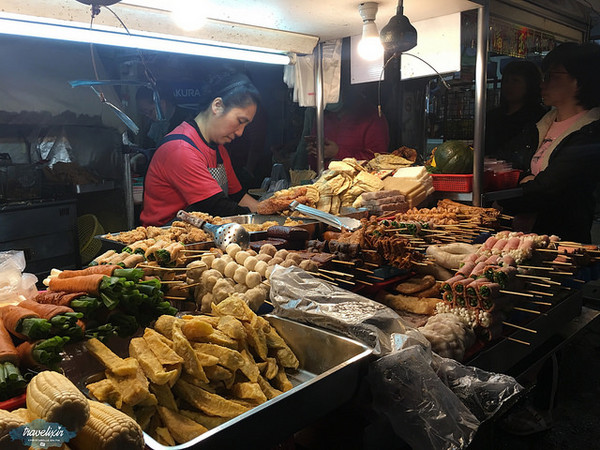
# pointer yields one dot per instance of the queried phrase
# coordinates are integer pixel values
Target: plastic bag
(299, 296)
(484, 393)
(420, 408)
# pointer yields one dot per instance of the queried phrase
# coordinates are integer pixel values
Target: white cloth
(301, 76)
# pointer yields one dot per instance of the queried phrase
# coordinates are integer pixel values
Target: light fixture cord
(444, 82)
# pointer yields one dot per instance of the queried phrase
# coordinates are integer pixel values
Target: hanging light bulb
(398, 35)
(189, 15)
(369, 47)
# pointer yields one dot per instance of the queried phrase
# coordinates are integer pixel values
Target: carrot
(45, 311)
(86, 283)
(12, 315)
(103, 269)
(8, 351)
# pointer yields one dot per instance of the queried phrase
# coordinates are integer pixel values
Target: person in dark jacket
(520, 106)
(558, 192)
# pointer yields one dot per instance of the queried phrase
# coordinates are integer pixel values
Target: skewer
(547, 294)
(365, 270)
(146, 266)
(578, 281)
(172, 281)
(504, 216)
(324, 276)
(518, 340)
(546, 250)
(348, 263)
(168, 297)
(371, 264)
(376, 278)
(560, 263)
(519, 327)
(334, 272)
(532, 311)
(364, 282)
(539, 303)
(533, 283)
(537, 267)
(569, 274)
(345, 281)
(522, 294)
(534, 277)
(203, 252)
(420, 263)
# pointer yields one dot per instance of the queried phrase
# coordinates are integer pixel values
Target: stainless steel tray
(312, 226)
(331, 367)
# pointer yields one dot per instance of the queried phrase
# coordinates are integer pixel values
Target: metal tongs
(223, 235)
(340, 223)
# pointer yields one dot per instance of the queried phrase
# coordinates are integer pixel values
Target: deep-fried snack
(286, 358)
(415, 284)
(164, 325)
(163, 351)
(162, 436)
(182, 346)
(182, 428)
(211, 404)
(232, 327)
(144, 415)
(270, 391)
(229, 358)
(234, 306)
(209, 422)
(250, 369)
(164, 396)
(193, 328)
(206, 360)
(105, 391)
(249, 391)
(133, 389)
(256, 340)
(110, 360)
(139, 349)
(282, 382)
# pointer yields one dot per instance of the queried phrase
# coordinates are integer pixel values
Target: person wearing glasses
(191, 169)
(558, 191)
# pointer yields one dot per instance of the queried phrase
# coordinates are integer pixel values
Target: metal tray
(312, 226)
(331, 367)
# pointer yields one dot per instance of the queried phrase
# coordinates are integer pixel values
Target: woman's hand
(249, 202)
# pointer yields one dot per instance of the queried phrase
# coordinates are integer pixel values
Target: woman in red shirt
(191, 169)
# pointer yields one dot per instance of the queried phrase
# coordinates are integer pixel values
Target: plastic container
(452, 182)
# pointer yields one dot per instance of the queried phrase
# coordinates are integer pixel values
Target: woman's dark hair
(533, 77)
(236, 90)
(582, 61)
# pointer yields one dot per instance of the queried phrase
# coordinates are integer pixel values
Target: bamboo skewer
(146, 266)
(519, 327)
(539, 303)
(537, 267)
(548, 294)
(364, 282)
(348, 263)
(335, 272)
(538, 284)
(365, 270)
(168, 297)
(518, 341)
(532, 311)
(324, 276)
(522, 294)
(534, 277)
(345, 281)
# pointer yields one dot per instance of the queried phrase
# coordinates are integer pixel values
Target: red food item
(8, 351)
(46, 311)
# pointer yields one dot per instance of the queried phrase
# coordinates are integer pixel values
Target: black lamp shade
(398, 35)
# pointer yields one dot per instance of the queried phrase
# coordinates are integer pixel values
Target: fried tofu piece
(182, 428)
(144, 415)
(219, 338)
(281, 381)
(231, 359)
(269, 391)
(249, 391)
(207, 360)
(182, 346)
(256, 340)
(209, 422)
(105, 391)
(212, 320)
(232, 327)
(218, 373)
(286, 358)
(133, 389)
(164, 396)
(162, 350)
(110, 360)
(139, 349)
(195, 329)
(274, 340)
(271, 368)
(250, 369)
(234, 306)
(164, 325)
(162, 436)
(211, 404)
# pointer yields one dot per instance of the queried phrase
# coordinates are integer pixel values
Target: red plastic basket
(453, 183)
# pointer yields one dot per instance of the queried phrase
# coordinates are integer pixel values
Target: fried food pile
(188, 375)
(280, 201)
(177, 232)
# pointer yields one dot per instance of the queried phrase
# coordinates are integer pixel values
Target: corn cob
(52, 397)
(108, 429)
(8, 422)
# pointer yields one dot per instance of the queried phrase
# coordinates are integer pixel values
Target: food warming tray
(331, 367)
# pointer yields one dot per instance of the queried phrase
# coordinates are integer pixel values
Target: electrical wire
(397, 54)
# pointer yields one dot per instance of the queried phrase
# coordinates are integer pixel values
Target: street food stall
(364, 277)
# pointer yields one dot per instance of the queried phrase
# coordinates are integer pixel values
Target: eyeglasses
(550, 75)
